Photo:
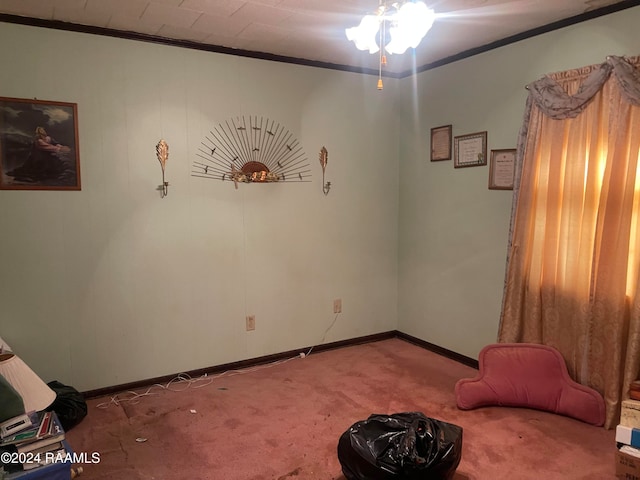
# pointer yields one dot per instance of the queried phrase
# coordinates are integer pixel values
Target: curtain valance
(553, 101)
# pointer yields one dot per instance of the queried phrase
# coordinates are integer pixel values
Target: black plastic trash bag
(69, 405)
(406, 446)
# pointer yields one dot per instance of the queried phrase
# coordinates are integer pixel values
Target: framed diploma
(501, 169)
(441, 143)
(470, 150)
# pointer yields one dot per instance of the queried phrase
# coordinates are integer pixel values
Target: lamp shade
(36, 395)
(4, 346)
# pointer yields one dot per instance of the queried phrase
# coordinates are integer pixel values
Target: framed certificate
(470, 150)
(441, 143)
(501, 169)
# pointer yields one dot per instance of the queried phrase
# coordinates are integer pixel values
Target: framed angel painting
(38, 145)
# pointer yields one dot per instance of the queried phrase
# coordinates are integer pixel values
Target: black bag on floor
(69, 405)
(408, 446)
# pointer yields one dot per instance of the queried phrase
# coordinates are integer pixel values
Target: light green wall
(453, 229)
(113, 284)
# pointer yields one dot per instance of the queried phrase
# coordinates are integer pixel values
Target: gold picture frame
(470, 150)
(441, 143)
(501, 169)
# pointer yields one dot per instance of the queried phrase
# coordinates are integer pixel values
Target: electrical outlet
(251, 322)
(337, 305)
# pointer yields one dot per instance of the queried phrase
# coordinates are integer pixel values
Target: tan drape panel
(574, 255)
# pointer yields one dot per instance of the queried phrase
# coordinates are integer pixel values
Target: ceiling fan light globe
(364, 35)
(410, 24)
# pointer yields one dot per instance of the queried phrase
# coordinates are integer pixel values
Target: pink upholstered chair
(528, 375)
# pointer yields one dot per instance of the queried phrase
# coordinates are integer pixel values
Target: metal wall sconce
(324, 158)
(162, 152)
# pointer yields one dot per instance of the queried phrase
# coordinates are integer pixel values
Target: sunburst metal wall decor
(251, 150)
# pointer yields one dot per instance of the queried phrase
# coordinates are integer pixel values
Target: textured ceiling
(311, 30)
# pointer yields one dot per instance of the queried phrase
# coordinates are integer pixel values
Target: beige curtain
(574, 254)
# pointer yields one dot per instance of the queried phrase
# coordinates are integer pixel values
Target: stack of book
(628, 441)
(31, 440)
